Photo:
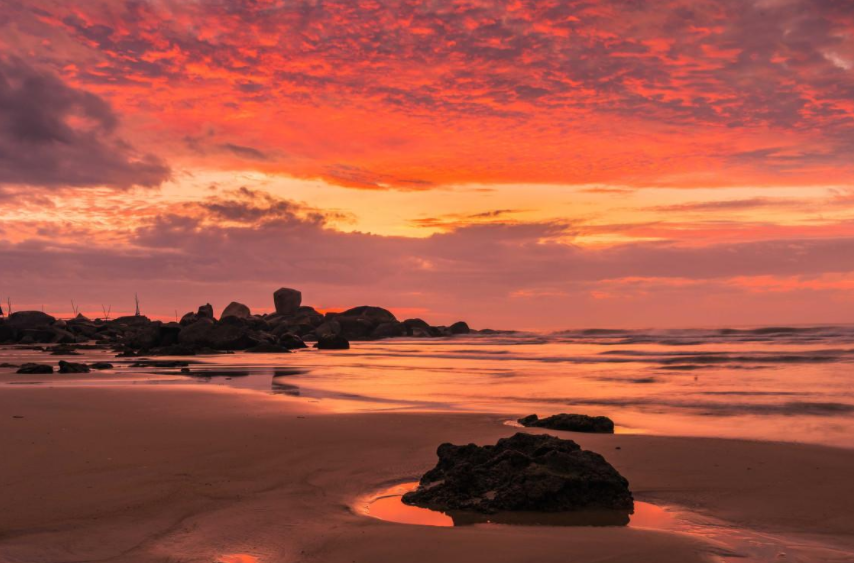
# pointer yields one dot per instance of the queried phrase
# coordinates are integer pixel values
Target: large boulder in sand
(571, 423)
(459, 327)
(236, 309)
(287, 301)
(23, 320)
(526, 472)
(375, 315)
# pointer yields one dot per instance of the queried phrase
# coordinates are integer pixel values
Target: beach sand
(193, 473)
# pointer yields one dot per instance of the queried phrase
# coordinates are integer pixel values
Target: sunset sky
(534, 164)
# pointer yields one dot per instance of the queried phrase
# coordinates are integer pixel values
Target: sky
(531, 164)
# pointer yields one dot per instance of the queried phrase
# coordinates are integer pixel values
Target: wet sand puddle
(727, 542)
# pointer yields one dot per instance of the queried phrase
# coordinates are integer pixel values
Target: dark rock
(219, 336)
(236, 309)
(412, 324)
(291, 341)
(526, 472)
(8, 365)
(335, 342)
(101, 365)
(69, 367)
(329, 328)
(268, 348)
(35, 369)
(23, 320)
(287, 301)
(81, 318)
(571, 422)
(188, 319)
(355, 328)
(377, 315)
(131, 320)
(459, 328)
(174, 350)
(389, 330)
(205, 311)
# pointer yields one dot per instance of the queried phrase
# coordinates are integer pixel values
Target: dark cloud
(53, 135)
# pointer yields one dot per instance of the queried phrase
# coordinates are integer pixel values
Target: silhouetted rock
(268, 348)
(205, 311)
(329, 328)
(236, 309)
(526, 472)
(23, 320)
(459, 328)
(291, 341)
(571, 422)
(189, 319)
(334, 342)
(69, 367)
(219, 336)
(412, 324)
(375, 315)
(287, 301)
(388, 330)
(30, 369)
(101, 365)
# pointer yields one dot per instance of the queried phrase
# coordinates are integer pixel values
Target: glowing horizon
(516, 164)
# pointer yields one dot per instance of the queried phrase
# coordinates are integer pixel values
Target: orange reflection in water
(387, 505)
(238, 558)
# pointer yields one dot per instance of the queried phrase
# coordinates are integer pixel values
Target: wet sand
(201, 473)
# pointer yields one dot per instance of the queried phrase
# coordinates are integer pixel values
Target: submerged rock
(32, 369)
(69, 367)
(332, 342)
(101, 365)
(571, 422)
(526, 472)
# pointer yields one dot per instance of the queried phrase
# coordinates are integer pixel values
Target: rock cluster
(290, 327)
(571, 422)
(526, 472)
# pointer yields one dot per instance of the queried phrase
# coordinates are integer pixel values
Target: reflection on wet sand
(238, 558)
(387, 505)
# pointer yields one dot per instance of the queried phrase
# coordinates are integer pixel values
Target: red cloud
(409, 94)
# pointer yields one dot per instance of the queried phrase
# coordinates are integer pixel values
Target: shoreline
(193, 473)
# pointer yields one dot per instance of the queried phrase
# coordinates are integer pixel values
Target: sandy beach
(206, 474)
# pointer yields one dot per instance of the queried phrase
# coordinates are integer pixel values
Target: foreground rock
(571, 423)
(526, 472)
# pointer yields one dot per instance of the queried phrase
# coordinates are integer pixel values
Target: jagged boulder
(526, 472)
(287, 301)
(571, 423)
(236, 309)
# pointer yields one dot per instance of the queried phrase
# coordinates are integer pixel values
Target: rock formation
(571, 422)
(526, 472)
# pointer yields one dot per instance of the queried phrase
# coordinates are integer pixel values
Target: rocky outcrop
(290, 327)
(459, 328)
(526, 472)
(236, 309)
(571, 423)
(287, 301)
(32, 369)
